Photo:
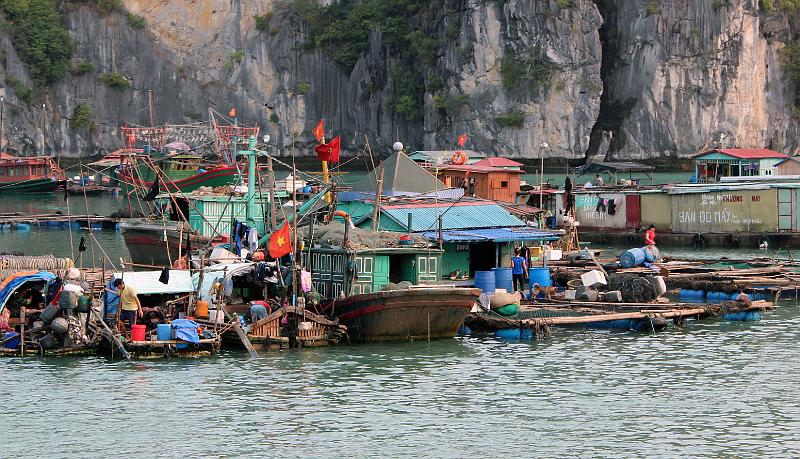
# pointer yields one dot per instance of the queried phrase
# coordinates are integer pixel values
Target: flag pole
(326, 176)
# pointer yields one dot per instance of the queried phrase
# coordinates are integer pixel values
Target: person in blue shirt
(519, 271)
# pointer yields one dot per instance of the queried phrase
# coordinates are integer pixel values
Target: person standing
(129, 303)
(598, 181)
(519, 271)
(650, 236)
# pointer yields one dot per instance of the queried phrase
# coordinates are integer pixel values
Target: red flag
(232, 112)
(329, 151)
(462, 139)
(280, 243)
(319, 131)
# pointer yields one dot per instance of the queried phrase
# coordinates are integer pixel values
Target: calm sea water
(713, 388)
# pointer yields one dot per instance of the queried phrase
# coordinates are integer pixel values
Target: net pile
(333, 234)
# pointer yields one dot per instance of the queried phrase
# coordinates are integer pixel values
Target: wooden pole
(273, 216)
(22, 331)
(376, 211)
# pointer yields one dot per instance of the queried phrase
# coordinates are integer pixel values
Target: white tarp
(147, 283)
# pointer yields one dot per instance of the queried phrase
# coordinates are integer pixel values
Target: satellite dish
(398, 146)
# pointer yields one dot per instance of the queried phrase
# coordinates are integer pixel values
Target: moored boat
(38, 174)
(428, 312)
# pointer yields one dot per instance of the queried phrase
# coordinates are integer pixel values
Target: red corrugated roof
(475, 168)
(497, 162)
(748, 153)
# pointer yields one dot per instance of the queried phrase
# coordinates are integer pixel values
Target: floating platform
(536, 320)
(21, 222)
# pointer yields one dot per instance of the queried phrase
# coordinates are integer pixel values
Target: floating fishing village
(400, 228)
(427, 245)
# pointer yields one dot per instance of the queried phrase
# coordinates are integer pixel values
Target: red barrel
(138, 332)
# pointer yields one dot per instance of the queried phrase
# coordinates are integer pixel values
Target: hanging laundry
(252, 240)
(305, 280)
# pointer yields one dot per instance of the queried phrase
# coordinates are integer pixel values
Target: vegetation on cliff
(40, 38)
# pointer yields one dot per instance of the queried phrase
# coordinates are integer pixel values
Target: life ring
(699, 241)
(459, 158)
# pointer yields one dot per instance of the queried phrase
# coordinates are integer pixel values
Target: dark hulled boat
(405, 314)
(158, 243)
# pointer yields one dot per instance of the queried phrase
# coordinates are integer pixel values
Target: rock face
(677, 77)
(680, 77)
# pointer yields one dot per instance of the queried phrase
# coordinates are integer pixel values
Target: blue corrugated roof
(453, 217)
(494, 234)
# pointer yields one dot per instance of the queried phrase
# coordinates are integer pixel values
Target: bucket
(138, 332)
(84, 304)
(485, 281)
(503, 279)
(67, 300)
(216, 316)
(164, 332)
(48, 342)
(13, 343)
(201, 309)
(49, 313)
(59, 325)
(540, 276)
(632, 257)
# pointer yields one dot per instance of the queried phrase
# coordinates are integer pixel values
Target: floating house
(476, 235)
(487, 182)
(612, 171)
(735, 162)
(788, 166)
(724, 214)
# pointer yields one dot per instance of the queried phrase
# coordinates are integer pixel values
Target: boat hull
(220, 176)
(146, 243)
(405, 315)
(43, 185)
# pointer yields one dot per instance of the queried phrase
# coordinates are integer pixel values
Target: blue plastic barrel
(539, 276)
(514, 333)
(485, 281)
(164, 332)
(503, 279)
(632, 257)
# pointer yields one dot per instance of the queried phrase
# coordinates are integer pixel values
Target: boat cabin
(712, 165)
(335, 270)
(15, 169)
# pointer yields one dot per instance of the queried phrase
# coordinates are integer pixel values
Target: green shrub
(512, 118)
(563, 4)
(109, 6)
(765, 5)
(532, 70)
(652, 8)
(237, 56)
(22, 90)
(262, 22)
(406, 92)
(39, 37)
(273, 118)
(452, 103)
(302, 88)
(115, 80)
(81, 68)
(136, 21)
(82, 117)
(790, 58)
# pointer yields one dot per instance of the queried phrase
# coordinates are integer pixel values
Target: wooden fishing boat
(428, 312)
(38, 174)
(89, 190)
(179, 173)
(158, 243)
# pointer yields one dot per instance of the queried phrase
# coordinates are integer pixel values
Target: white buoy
(398, 146)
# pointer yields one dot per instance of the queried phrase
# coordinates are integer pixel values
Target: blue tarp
(186, 330)
(110, 299)
(15, 284)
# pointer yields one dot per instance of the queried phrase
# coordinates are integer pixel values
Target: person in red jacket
(650, 236)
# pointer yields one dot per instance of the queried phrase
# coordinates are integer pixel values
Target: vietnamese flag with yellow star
(280, 243)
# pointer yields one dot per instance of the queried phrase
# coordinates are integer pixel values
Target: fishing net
(333, 234)
(634, 288)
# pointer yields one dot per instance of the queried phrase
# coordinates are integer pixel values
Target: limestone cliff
(676, 77)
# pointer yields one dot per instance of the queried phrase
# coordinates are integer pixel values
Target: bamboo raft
(536, 320)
